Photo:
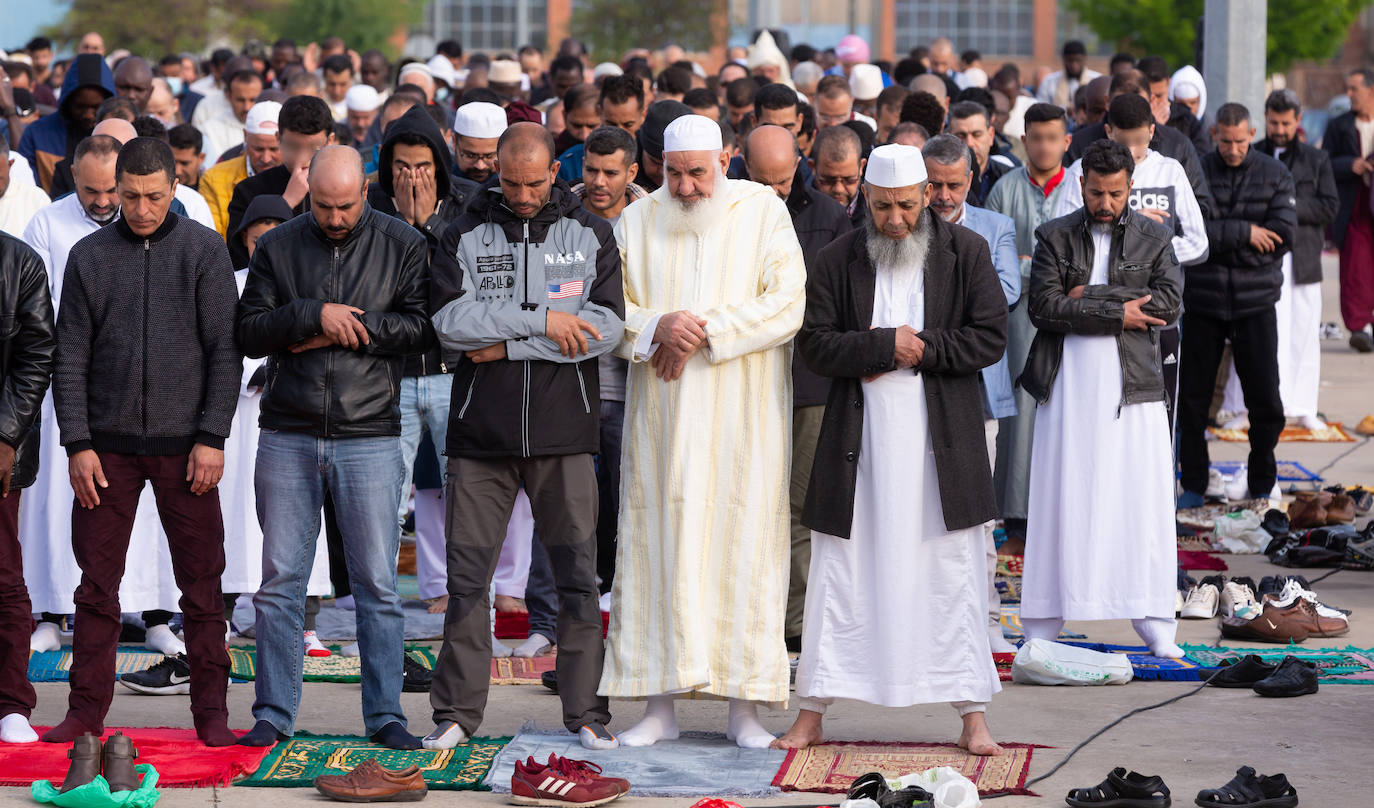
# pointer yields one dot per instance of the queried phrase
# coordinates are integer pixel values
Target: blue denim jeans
(363, 476)
(424, 406)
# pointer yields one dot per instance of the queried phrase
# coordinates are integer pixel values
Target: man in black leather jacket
(336, 299)
(26, 358)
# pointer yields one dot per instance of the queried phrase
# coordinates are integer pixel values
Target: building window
(489, 25)
(1000, 27)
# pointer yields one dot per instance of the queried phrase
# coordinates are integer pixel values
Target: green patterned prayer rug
(296, 763)
(333, 668)
(1335, 666)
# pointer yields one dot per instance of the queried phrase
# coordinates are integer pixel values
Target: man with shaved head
(134, 81)
(336, 298)
(772, 159)
(527, 291)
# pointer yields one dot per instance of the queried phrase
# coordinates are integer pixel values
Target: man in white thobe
(1100, 532)
(901, 315)
(714, 287)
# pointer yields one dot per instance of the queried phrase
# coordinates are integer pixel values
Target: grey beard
(908, 253)
(702, 217)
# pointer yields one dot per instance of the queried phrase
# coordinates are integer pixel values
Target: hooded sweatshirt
(54, 137)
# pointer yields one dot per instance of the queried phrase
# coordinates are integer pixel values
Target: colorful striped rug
(295, 763)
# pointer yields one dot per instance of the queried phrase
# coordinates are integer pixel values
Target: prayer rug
(1288, 471)
(178, 755)
(333, 668)
(516, 625)
(517, 671)
(1003, 663)
(1011, 625)
(295, 763)
(1195, 560)
(830, 768)
(1333, 433)
(696, 765)
(1205, 517)
(52, 666)
(1335, 666)
(1149, 668)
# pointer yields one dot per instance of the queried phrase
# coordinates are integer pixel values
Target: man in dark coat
(1349, 140)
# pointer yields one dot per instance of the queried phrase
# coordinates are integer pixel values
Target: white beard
(906, 255)
(701, 217)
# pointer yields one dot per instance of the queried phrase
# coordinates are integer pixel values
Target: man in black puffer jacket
(26, 355)
(1232, 296)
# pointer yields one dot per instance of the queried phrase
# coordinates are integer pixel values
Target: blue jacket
(46, 142)
(1000, 233)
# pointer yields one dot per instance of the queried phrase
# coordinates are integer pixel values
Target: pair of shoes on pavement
(1127, 789)
(1282, 624)
(1290, 677)
(563, 783)
(113, 760)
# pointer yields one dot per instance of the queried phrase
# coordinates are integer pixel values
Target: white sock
(445, 736)
(745, 729)
(161, 639)
(1158, 634)
(14, 728)
(499, 650)
(1042, 628)
(997, 641)
(591, 740)
(313, 646)
(1312, 422)
(46, 637)
(350, 650)
(533, 647)
(658, 724)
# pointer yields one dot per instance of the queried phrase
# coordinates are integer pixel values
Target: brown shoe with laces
(371, 782)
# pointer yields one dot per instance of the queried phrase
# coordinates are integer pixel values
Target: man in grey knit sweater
(145, 386)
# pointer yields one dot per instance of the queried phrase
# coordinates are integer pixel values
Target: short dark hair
(38, 43)
(1232, 114)
(338, 63)
(833, 87)
(892, 97)
(978, 95)
(836, 142)
(1129, 111)
(305, 115)
(97, 145)
(808, 118)
(741, 92)
(565, 63)
(221, 56)
(581, 95)
(1366, 74)
(969, 56)
(143, 156)
(727, 134)
(607, 140)
(700, 98)
(673, 80)
(1074, 48)
(1044, 113)
(1283, 101)
(1106, 157)
(967, 109)
(774, 96)
(243, 75)
(1154, 68)
(476, 94)
(865, 133)
(441, 117)
(117, 106)
(1130, 82)
(619, 89)
(803, 52)
(169, 60)
(923, 108)
(285, 42)
(148, 126)
(905, 127)
(186, 136)
(1006, 74)
(450, 48)
(906, 70)
(1122, 58)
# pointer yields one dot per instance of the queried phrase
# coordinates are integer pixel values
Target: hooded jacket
(495, 278)
(53, 137)
(453, 194)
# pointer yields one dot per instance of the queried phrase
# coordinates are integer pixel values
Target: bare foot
(977, 738)
(506, 603)
(438, 605)
(1014, 545)
(805, 731)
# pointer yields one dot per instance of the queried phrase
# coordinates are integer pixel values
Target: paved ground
(1318, 741)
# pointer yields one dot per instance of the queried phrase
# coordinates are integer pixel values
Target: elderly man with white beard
(902, 314)
(714, 286)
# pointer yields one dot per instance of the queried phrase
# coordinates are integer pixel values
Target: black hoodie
(453, 194)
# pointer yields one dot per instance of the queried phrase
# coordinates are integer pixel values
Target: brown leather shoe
(1274, 625)
(371, 782)
(119, 763)
(1309, 509)
(1303, 613)
(85, 757)
(1341, 511)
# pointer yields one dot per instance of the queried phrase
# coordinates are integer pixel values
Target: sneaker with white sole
(1201, 603)
(313, 646)
(1238, 601)
(1216, 485)
(563, 783)
(170, 677)
(1292, 591)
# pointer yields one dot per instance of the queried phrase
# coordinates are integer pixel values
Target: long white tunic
(897, 614)
(701, 570)
(1100, 539)
(45, 515)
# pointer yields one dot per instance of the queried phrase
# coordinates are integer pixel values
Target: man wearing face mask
(88, 82)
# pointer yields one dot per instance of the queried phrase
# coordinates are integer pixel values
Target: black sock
(395, 736)
(262, 734)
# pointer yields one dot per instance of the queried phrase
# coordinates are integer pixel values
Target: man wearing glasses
(838, 165)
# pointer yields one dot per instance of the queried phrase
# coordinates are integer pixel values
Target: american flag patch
(558, 291)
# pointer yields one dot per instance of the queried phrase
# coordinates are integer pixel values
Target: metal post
(522, 23)
(1234, 54)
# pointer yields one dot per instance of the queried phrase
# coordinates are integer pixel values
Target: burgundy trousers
(1357, 265)
(100, 540)
(16, 618)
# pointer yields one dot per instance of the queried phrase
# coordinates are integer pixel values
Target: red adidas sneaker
(563, 783)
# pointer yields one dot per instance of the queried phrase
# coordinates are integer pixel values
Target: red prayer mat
(1003, 662)
(178, 755)
(519, 671)
(1198, 560)
(830, 768)
(516, 625)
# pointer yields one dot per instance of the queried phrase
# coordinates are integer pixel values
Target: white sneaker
(313, 646)
(46, 637)
(350, 650)
(499, 650)
(1238, 601)
(161, 639)
(1201, 603)
(532, 647)
(1312, 422)
(1216, 485)
(1239, 487)
(1293, 590)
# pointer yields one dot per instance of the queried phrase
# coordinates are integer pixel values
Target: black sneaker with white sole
(170, 677)
(416, 678)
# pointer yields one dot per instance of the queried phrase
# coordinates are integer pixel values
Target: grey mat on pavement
(698, 764)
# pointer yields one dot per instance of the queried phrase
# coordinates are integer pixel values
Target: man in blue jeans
(336, 300)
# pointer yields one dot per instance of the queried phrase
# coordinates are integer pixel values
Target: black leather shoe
(1293, 677)
(1244, 672)
(1276, 523)
(549, 679)
(416, 677)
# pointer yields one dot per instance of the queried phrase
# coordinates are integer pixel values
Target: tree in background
(611, 27)
(1297, 29)
(363, 24)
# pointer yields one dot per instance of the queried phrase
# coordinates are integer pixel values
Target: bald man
(337, 299)
(772, 158)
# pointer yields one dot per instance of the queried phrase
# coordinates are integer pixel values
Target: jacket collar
(799, 198)
(168, 224)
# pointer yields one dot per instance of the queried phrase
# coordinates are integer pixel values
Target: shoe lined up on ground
(370, 781)
(874, 786)
(1203, 601)
(563, 783)
(1122, 789)
(415, 678)
(1332, 506)
(1284, 624)
(114, 760)
(1250, 790)
(1290, 677)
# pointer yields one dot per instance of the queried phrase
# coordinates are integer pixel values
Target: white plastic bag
(1041, 662)
(948, 788)
(1240, 532)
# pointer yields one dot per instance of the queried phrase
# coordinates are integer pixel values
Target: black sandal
(1122, 789)
(1249, 790)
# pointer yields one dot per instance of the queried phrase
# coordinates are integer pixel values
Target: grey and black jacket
(1142, 263)
(494, 279)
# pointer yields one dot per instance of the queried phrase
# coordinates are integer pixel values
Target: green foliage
(363, 24)
(180, 24)
(1297, 29)
(611, 27)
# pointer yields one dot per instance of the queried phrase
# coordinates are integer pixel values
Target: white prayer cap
(504, 71)
(480, 119)
(974, 77)
(895, 166)
(1186, 91)
(362, 98)
(442, 69)
(692, 133)
(606, 69)
(865, 82)
(414, 67)
(262, 118)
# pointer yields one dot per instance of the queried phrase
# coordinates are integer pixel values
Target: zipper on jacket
(472, 385)
(329, 355)
(147, 271)
(527, 305)
(586, 405)
(525, 412)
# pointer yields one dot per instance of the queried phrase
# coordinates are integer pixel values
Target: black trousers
(1254, 345)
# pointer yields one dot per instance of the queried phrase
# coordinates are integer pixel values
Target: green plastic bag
(97, 794)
